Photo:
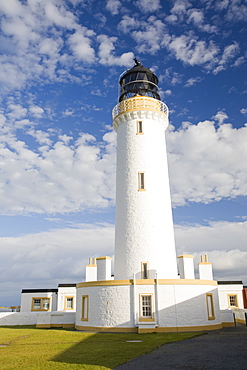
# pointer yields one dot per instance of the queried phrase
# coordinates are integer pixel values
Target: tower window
(210, 306)
(144, 270)
(139, 127)
(141, 181)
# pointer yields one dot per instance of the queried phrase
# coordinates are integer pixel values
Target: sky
(60, 64)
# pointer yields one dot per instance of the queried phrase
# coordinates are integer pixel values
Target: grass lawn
(30, 348)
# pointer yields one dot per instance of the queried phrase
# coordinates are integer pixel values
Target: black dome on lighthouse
(138, 80)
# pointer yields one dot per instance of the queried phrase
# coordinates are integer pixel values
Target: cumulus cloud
(80, 44)
(45, 259)
(113, 6)
(150, 38)
(106, 52)
(148, 6)
(206, 162)
(224, 242)
(42, 260)
(55, 171)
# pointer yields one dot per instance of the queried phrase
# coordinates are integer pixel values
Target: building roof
(39, 290)
(230, 282)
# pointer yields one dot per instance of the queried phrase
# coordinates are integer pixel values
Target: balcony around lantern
(139, 103)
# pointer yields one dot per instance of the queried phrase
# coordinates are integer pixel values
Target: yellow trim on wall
(186, 256)
(91, 265)
(147, 282)
(101, 329)
(228, 324)
(156, 330)
(48, 326)
(103, 258)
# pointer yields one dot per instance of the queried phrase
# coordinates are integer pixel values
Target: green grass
(31, 348)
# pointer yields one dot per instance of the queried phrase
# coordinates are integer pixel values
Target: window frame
(139, 128)
(229, 300)
(84, 307)
(144, 265)
(66, 300)
(41, 304)
(141, 181)
(148, 318)
(210, 306)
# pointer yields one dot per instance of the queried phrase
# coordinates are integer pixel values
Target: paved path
(224, 349)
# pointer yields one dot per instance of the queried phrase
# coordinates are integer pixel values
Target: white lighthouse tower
(144, 236)
(146, 294)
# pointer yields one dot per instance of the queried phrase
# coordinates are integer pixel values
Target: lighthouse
(144, 236)
(146, 293)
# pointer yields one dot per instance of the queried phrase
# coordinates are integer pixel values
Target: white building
(62, 298)
(146, 294)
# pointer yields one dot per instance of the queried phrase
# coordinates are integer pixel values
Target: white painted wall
(144, 224)
(205, 271)
(18, 318)
(103, 268)
(186, 266)
(91, 273)
(26, 300)
(174, 305)
(224, 290)
(64, 292)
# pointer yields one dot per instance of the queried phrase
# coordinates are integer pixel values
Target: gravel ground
(224, 349)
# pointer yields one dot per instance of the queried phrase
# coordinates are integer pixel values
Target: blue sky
(60, 63)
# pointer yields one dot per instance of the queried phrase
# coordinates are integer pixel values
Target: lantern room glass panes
(138, 83)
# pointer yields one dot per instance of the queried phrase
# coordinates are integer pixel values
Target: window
(144, 270)
(69, 303)
(210, 306)
(232, 300)
(40, 304)
(139, 127)
(84, 314)
(141, 181)
(146, 306)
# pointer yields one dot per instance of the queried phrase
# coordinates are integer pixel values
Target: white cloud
(80, 44)
(59, 256)
(192, 81)
(148, 6)
(106, 52)
(220, 116)
(127, 24)
(113, 6)
(36, 111)
(48, 258)
(55, 174)
(206, 163)
(224, 242)
(243, 110)
(192, 51)
(150, 40)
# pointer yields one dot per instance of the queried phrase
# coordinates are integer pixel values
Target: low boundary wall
(40, 319)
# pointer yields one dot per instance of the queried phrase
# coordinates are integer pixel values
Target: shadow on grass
(111, 350)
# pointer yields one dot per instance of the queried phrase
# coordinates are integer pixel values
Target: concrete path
(224, 349)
